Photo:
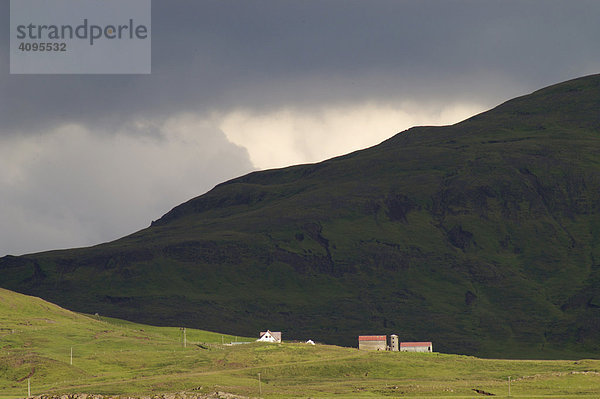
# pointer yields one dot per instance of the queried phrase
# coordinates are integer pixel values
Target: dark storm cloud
(211, 55)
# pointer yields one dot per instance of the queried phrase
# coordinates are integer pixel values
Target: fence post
(259, 386)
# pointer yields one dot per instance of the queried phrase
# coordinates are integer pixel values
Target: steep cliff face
(480, 236)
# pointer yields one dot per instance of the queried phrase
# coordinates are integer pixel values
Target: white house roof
(268, 336)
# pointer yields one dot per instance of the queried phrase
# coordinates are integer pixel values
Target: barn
(416, 347)
(372, 342)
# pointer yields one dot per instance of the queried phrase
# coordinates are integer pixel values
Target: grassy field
(121, 358)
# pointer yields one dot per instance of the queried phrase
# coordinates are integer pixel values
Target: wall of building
(416, 349)
(394, 343)
(372, 345)
(372, 342)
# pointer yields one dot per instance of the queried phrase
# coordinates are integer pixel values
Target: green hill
(56, 348)
(115, 358)
(483, 237)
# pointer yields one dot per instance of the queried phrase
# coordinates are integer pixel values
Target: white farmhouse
(268, 336)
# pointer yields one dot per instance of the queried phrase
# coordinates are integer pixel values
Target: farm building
(372, 342)
(416, 347)
(394, 343)
(268, 336)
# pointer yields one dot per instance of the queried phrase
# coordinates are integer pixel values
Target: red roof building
(372, 337)
(372, 342)
(416, 347)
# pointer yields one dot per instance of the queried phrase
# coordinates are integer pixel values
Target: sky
(238, 86)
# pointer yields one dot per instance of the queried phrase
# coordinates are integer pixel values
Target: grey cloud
(75, 186)
(261, 54)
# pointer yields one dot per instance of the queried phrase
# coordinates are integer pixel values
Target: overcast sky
(243, 85)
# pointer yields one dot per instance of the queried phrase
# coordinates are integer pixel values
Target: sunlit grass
(117, 357)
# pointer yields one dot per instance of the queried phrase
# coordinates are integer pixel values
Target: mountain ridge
(479, 236)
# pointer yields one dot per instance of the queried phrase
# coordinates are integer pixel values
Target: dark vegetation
(483, 237)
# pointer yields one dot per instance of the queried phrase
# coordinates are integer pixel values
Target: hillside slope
(120, 359)
(483, 237)
(56, 348)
